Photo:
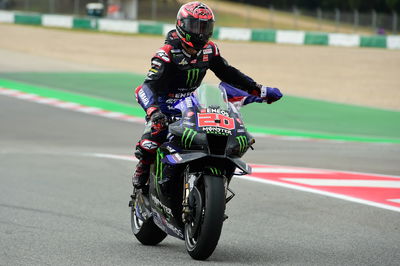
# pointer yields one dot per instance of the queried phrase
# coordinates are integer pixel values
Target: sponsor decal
(159, 170)
(205, 58)
(148, 144)
(171, 101)
(149, 74)
(153, 70)
(215, 171)
(158, 221)
(175, 230)
(183, 62)
(175, 51)
(187, 137)
(190, 114)
(164, 208)
(218, 111)
(177, 157)
(143, 97)
(192, 76)
(243, 144)
(163, 55)
(217, 131)
(194, 61)
(216, 49)
(207, 51)
(189, 103)
(187, 123)
(155, 63)
(186, 53)
(187, 37)
(179, 95)
(170, 149)
(215, 120)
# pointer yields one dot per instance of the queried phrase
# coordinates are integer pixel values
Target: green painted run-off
(292, 116)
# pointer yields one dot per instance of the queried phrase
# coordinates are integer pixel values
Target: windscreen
(211, 97)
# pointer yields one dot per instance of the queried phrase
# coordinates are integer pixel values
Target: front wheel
(201, 240)
(145, 230)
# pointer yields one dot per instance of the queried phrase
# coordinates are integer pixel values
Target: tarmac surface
(61, 205)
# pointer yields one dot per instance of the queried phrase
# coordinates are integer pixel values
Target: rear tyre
(147, 232)
(201, 244)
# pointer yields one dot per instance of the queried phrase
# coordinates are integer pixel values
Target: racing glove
(269, 94)
(157, 118)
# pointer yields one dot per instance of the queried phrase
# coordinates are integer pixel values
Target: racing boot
(141, 175)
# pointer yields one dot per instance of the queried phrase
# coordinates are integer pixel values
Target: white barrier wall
(118, 25)
(7, 17)
(57, 21)
(223, 33)
(167, 28)
(393, 42)
(348, 40)
(237, 34)
(290, 37)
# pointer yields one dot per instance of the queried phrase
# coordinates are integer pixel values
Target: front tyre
(146, 231)
(202, 243)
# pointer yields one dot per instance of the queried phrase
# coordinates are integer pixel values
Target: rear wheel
(202, 235)
(145, 230)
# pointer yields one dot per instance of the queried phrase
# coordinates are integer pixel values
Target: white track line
(70, 105)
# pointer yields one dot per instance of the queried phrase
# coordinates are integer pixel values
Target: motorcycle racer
(177, 70)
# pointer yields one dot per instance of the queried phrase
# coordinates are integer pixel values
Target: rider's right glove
(158, 120)
(270, 95)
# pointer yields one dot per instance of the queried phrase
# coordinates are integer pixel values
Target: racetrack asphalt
(61, 206)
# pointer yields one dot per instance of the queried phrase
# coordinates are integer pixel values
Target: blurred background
(367, 17)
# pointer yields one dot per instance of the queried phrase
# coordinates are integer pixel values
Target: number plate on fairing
(215, 120)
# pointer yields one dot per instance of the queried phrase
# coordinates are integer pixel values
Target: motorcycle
(188, 187)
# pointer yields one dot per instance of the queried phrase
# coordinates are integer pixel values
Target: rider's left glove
(269, 94)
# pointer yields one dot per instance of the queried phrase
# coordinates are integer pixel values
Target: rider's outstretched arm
(237, 79)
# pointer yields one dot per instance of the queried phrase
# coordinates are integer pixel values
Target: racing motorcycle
(189, 180)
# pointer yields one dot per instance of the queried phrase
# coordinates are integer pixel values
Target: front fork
(188, 184)
(190, 181)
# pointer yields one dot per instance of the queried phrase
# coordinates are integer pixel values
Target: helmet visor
(199, 27)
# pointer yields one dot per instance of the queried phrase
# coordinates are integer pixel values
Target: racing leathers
(174, 75)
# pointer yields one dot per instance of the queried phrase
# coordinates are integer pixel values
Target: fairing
(209, 139)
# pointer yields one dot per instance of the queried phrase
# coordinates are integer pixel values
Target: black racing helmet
(195, 24)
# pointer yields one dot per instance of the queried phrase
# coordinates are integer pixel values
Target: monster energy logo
(159, 170)
(187, 37)
(215, 171)
(192, 76)
(242, 143)
(187, 137)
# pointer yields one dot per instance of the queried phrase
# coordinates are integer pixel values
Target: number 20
(216, 120)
